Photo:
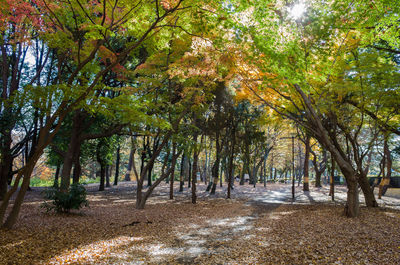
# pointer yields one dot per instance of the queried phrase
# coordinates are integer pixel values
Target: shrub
(63, 202)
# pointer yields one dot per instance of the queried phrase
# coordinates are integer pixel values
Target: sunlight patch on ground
(124, 201)
(240, 220)
(92, 252)
(158, 252)
(394, 215)
(208, 239)
(13, 244)
(279, 215)
(33, 203)
(96, 199)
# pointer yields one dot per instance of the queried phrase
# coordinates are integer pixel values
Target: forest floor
(257, 226)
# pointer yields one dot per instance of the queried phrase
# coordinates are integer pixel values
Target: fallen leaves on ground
(214, 231)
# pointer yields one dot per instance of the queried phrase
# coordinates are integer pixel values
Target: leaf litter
(244, 230)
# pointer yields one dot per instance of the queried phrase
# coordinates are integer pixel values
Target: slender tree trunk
(215, 173)
(181, 176)
(385, 182)
(172, 176)
(130, 165)
(165, 162)
(117, 165)
(139, 194)
(306, 186)
(318, 179)
(76, 174)
(25, 175)
(143, 155)
(194, 168)
(332, 182)
(171, 181)
(206, 163)
(189, 167)
(265, 172)
(246, 164)
(108, 174)
(6, 161)
(102, 176)
(141, 197)
(56, 176)
(149, 175)
(12, 217)
(230, 168)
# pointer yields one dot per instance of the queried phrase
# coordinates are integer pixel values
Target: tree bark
(182, 172)
(230, 168)
(69, 157)
(172, 177)
(130, 164)
(194, 168)
(102, 176)
(76, 174)
(352, 208)
(306, 186)
(385, 182)
(332, 180)
(6, 161)
(108, 174)
(25, 174)
(117, 165)
(56, 176)
(369, 196)
(141, 197)
(189, 167)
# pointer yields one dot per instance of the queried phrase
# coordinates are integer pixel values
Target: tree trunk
(108, 173)
(76, 174)
(181, 176)
(367, 191)
(102, 176)
(352, 208)
(306, 186)
(69, 157)
(230, 168)
(117, 165)
(264, 170)
(165, 162)
(385, 182)
(149, 175)
(189, 172)
(318, 179)
(194, 168)
(141, 197)
(130, 165)
(13, 215)
(25, 174)
(56, 176)
(172, 177)
(215, 173)
(6, 164)
(140, 202)
(332, 181)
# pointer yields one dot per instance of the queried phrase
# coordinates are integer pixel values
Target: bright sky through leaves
(297, 10)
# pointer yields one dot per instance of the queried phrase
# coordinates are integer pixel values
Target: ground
(258, 226)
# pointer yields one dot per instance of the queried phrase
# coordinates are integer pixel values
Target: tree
(307, 67)
(81, 34)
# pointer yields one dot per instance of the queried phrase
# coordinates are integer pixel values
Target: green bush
(63, 202)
